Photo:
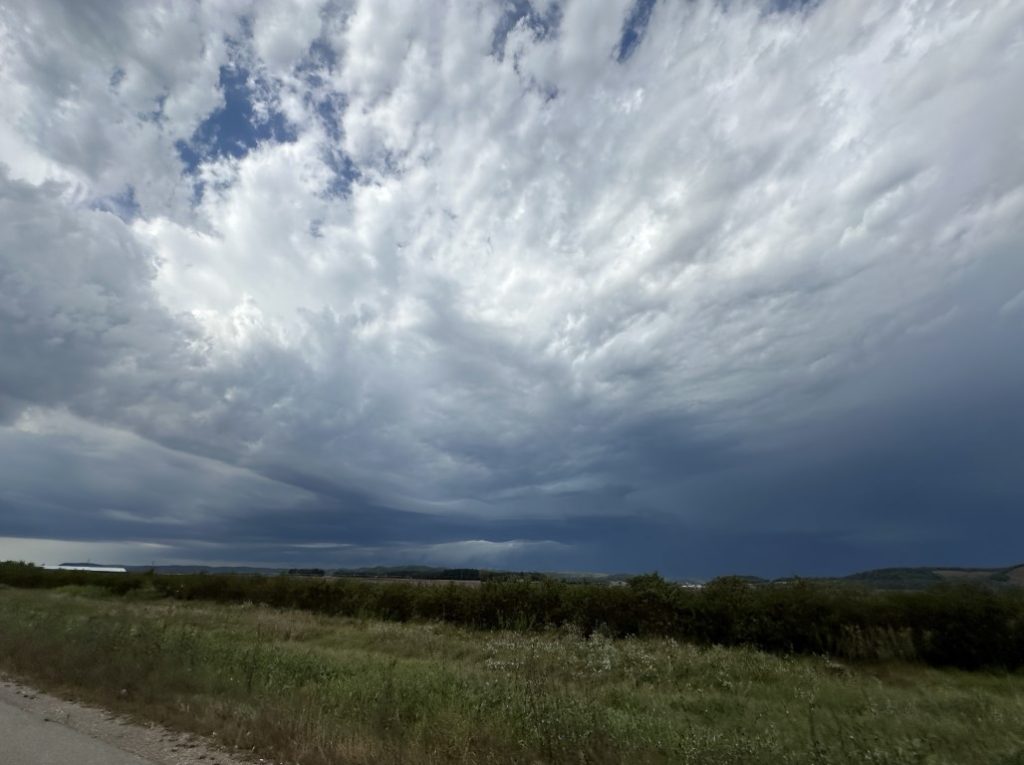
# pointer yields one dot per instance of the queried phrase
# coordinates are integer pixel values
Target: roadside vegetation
(951, 625)
(302, 687)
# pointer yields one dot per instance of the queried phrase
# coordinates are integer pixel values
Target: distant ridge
(922, 577)
(189, 569)
(893, 578)
(90, 564)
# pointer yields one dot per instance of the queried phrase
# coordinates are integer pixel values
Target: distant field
(312, 689)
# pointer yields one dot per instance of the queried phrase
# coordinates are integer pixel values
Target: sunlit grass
(315, 690)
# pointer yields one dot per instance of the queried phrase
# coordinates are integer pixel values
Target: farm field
(303, 688)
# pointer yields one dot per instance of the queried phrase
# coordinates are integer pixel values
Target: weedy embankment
(313, 689)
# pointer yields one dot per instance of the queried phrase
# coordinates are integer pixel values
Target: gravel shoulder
(40, 729)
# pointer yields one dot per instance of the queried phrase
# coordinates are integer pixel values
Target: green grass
(314, 690)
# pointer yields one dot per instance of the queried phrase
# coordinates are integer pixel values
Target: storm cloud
(704, 287)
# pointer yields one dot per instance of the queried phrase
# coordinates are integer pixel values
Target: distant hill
(207, 569)
(922, 577)
(393, 572)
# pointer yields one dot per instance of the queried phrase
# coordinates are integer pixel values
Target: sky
(689, 286)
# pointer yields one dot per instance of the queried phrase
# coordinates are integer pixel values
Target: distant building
(86, 567)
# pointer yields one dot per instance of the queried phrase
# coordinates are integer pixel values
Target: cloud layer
(697, 286)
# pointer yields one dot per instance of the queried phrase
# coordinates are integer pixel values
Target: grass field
(302, 688)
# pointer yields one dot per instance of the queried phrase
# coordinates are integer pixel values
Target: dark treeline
(307, 572)
(431, 573)
(412, 572)
(960, 626)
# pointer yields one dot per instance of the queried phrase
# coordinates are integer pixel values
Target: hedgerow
(962, 626)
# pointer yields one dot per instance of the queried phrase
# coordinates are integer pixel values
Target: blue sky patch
(330, 109)
(634, 27)
(237, 127)
(322, 55)
(791, 6)
(345, 174)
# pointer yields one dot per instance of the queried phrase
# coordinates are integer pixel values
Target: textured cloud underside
(478, 263)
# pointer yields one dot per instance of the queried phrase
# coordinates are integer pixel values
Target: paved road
(28, 739)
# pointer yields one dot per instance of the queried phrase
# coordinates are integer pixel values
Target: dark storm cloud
(700, 287)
